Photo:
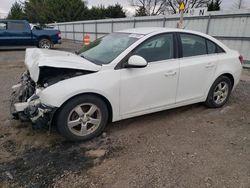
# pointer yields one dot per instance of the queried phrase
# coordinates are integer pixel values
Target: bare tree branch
(157, 7)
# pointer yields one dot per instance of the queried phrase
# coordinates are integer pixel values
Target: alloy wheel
(84, 119)
(45, 44)
(221, 92)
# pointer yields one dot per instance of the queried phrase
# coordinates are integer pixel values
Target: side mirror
(136, 61)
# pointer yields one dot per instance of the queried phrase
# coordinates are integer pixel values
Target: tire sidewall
(43, 39)
(62, 117)
(210, 101)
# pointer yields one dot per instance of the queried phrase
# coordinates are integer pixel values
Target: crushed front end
(26, 105)
(44, 69)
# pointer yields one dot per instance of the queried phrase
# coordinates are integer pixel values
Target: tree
(115, 11)
(217, 5)
(97, 13)
(157, 7)
(238, 4)
(214, 6)
(149, 7)
(48, 11)
(210, 6)
(16, 12)
(141, 11)
(45, 11)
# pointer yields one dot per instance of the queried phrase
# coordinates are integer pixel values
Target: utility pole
(240, 2)
(181, 10)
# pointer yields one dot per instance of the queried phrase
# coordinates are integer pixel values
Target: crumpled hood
(36, 58)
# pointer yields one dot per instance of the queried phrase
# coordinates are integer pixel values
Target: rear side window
(157, 48)
(211, 47)
(3, 26)
(16, 26)
(193, 45)
(219, 50)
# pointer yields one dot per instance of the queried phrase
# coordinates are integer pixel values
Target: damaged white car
(122, 75)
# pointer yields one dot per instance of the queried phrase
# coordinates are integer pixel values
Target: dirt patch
(39, 167)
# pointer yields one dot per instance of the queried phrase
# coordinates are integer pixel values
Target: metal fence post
(74, 38)
(208, 23)
(65, 31)
(134, 23)
(95, 30)
(112, 26)
(83, 30)
(164, 21)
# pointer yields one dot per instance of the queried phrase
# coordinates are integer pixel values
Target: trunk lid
(36, 58)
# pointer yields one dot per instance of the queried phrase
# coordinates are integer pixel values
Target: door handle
(210, 65)
(170, 73)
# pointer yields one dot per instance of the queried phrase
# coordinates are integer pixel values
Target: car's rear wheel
(45, 43)
(219, 92)
(82, 118)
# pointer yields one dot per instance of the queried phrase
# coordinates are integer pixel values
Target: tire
(82, 118)
(219, 92)
(45, 43)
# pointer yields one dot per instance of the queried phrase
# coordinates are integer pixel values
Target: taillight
(59, 34)
(241, 58)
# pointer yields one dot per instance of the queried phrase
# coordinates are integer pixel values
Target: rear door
(197, 67)
(19, 33)
(3, 33)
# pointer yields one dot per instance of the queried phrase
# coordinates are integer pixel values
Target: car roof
(149, 30)
(144, 30)
(8, 20)
(152, 30)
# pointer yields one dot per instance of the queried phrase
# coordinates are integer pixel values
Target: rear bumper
(59, 41)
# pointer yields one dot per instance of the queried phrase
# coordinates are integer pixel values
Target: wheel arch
(106, 101)
(44, 37)
(229, 75)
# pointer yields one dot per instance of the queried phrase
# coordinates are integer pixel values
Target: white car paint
(137, 91)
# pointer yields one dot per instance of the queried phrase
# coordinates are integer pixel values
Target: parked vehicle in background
(122, 75)
(21, 33)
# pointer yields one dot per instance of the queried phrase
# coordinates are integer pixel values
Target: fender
(57, 94)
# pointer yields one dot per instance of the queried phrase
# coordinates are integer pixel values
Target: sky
(226, 4)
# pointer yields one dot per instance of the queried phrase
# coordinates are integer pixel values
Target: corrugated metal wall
(232, 28)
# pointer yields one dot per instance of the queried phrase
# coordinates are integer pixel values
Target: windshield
(106, 49)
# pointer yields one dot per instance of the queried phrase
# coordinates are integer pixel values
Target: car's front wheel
(219, 92)
(82, 118)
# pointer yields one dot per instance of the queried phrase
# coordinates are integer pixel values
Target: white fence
(232, 28)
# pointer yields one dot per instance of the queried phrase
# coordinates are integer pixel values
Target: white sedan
(123, 75)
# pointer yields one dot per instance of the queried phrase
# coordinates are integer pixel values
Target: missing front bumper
(26, 105)
(39, 114)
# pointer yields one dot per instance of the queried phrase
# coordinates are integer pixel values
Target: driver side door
(152, 88)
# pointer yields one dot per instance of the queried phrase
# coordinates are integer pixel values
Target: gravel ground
(191, 146)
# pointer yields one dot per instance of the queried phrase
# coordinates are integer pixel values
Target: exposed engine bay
(25, 103)
(51, 75)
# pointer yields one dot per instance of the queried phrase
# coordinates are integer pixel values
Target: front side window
(106, 49)
(3, 26)
(193, 45)
(157, 48)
